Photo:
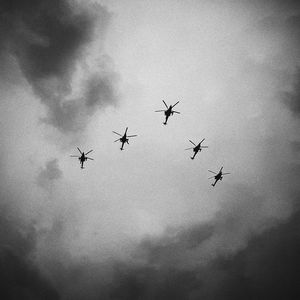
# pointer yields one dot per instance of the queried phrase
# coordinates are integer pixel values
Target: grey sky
(149, 211)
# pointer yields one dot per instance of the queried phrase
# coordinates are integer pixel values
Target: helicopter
(197, 148)
(124, 138)
(218, 176)
(169, 111)
(83, 157)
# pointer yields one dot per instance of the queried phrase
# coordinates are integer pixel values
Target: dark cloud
(19, 277)
(45, 36)
(279, 6)
(267, 269)
(21, 280)
(240, 254)
(292, 31)
(296, 146)
(292, 99)
(47, 40)
(289, 5)
(50, 173)
(71, 115)
(99, 89)
(237, 221)
(283, 26)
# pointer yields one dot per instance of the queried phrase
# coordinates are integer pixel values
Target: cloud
(238, 220)
(49, 173)
(292, 99)
(47, 41)
(247, 250)
(272, 44)
(21, 280)
(72, 115)
(265, 269)
(45, 37)
(240, 253)
(20, 277)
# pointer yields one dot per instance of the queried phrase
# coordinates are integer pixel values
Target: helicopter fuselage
(82, 158)
(124, 140)
(197, 148)
(219, 176)
(168, 112)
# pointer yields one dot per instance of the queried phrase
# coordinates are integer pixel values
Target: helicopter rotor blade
(201, 141)
(212, 171)
(89, 158)
(193, 143)
(211, 177)
(79, 150)
(161, 110)
(204, 146)
(132, 135)
(74, 156)
(175, 104)
(116, 140)
(176, 112)
(225, 173)
(88, 152)
(221, 170)
(126, 130)
(117, 133)
(189, 148)
(165, 104)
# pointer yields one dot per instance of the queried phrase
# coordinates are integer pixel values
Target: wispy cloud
(50, 173)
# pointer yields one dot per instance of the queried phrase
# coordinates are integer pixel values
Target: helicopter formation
(124, 139)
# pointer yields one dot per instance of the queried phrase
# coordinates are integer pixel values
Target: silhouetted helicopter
(169, 111)
(83, 157)
(124, 138)
(196, 148)
(218, 176)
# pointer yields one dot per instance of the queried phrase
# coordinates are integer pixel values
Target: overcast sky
(145, 223)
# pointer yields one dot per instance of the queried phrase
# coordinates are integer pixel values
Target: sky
(145, 223)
